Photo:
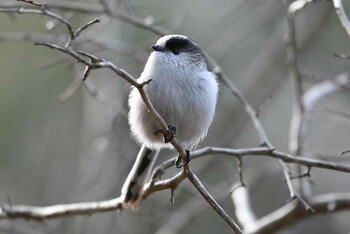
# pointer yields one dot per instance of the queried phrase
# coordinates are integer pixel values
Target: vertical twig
(246, 105)
(295, 136)
(296, 131)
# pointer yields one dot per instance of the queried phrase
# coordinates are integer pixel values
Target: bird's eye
(175, 51)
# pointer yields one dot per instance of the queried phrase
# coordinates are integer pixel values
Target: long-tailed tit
(183, 92)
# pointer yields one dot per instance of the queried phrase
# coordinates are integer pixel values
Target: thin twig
(240, 171)
(42, 5)
(345, 152)
(89, 8)
(83, 208)
(175, 181)
(295, 134)
(246, 105)
(41, 11)
(77, 32)
(126, 76)
(292, 213)
(294, 194)
(344, 20)
(70, 91)
(103, 98)
(39, 213)
(201, 189)
(44, 11)
(186, 172)
(185, 213)
(249, 152)
(342, 56)
(297, 129)
(262, 151)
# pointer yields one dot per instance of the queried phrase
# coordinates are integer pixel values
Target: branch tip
(145, 83)
(172, 198)
(345, 152)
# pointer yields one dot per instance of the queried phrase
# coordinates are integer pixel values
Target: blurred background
(81, 150)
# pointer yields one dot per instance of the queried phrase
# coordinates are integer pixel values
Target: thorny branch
(273, 221)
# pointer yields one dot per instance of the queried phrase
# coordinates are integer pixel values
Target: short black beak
(157, 48)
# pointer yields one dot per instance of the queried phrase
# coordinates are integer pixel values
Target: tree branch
(320, 204)
(288, 158)
(46, 212)
(89, 8)
(292, 213)
(344, 20)
(97, 63)
(243, 209)
(198, 185)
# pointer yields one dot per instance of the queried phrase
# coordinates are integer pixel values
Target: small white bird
(183, 92)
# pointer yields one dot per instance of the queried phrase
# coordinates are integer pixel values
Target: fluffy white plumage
(183, 92)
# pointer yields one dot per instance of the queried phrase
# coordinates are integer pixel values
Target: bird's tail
(133, 186)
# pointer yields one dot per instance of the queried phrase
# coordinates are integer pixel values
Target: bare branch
(288, 158)
(248, 108)
(41, 11)
(70, 91)
(96, 63)
(44, 11)
(293, 193)
(344, 20)
(77, 32)
(199, 186)
(240, 171)
(297, 129)
(243, 209)
(188, 210)
(171, 183)
(126, 76)
(295, 134)
(93, 62)
(85, 26)
(91, 88)
(318, 91)
(33, 3)
(291, 212)
(83, 208)
(342, 56)
(39, 213)
(345, 152)
(89, 8)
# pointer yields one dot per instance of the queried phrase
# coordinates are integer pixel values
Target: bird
(184, 92)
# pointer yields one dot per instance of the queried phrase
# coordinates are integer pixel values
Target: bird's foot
(172, 131)
(178, 163)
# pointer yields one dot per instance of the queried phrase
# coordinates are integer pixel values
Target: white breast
(185, 98)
